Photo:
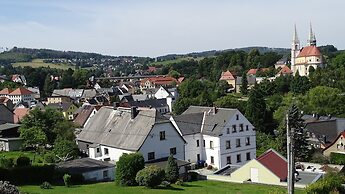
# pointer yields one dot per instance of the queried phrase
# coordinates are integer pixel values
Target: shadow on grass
(189, 185)
(168, 188)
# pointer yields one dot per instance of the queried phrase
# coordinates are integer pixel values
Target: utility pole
(290, 157)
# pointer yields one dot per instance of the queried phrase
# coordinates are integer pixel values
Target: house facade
(217, 136)
(112, 132)
(58, 99)
(337, 146)
(21, 95)
(229, 78)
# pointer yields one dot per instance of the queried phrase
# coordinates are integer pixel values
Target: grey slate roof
(115, 128)
(79, 166)
(7, 126)
(155, 103)
(214, 123)
(189, 123)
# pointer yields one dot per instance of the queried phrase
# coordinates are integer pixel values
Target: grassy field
(39, 63)
(167, 62)
(198, 187)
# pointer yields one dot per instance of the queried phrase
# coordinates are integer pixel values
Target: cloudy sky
(154, 28)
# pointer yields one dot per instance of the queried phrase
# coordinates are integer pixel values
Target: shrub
(46, 185)
(7, 188)
(179, 182)
(337, 158)
(49, 158)
(171, 170)
(67, 180)
(127, 168)
(23, 161)
(319, 158)
(150, 176)
(6, 162)
(331, 183)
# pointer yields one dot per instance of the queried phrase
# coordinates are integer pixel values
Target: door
(254, 175)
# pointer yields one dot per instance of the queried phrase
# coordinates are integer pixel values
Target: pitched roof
(8, 126)
(276, 163)
(285, 70)
(83, 115)
(21, 91)
(163, 80)
(115, 128)
(83, 165)
(227, 75)
(155, 103)
(5, 91)
(20, 113)
(252, 71)
(214, 121)
(189, 123)
(342, 134)
(328, 129)
(309, 51)
(63, 106)
(4, 100)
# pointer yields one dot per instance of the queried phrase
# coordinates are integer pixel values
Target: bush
(319, 158)
(67, 179)
(337, 158)
(331, 183)
(23, 161)
(171, 170)
(150, 176)
(46, 185)
(127, 168)
(49, 158)
(179, 182)
(6, 162)
(7, 188)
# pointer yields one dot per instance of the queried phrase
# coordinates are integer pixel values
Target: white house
(218, 136)
(21, 95)
(114, 131)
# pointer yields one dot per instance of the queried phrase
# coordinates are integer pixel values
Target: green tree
(127, 168)
(244, 86)
(48, 86)
(300, 84)
(171, 170)
(33, 137)
(256, 109)
(150, 176)
(65, 149)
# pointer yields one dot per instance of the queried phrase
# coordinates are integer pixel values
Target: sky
(154, 28)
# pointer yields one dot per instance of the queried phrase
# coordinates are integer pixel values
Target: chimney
(134, 112)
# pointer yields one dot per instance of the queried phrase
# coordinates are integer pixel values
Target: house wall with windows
(161, 146)
(212, 150)
(106, 174)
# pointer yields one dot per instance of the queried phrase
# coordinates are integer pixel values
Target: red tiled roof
(309, 51)
(285, 70)
(83, 115)
(160, 80)
(20, 113)
(227, 75)
(152, 69)
(275, 163)
(252, 71)
(335, 140)
(3, 100)
(21, 91)
(6, 91)
(180, 79)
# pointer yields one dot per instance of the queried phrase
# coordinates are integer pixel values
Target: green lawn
(198, 187)
(39, 63)
(16, 154)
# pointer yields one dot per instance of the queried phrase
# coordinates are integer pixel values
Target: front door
(254, 175)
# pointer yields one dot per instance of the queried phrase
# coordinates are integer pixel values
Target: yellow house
(229, 78)
(269, 168)
(337, 146)
(58, 99)
(67, 109)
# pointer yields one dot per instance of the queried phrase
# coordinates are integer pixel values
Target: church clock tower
(295, 49)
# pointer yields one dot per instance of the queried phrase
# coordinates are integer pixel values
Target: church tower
(295, 49)
(311, 38)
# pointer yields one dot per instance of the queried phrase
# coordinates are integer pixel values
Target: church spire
(311, 39)
(295, 36)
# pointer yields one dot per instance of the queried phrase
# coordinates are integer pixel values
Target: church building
(305, 58)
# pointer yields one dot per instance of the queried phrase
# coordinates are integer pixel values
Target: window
(228, 160)
(212, 160)
(238, 142)
(98, 150)
(162, 135)
(247, 141)
(204, 143)
(238, 157)
(227, 144)
(173, 151)
(227, 130)
(106, 151)
(237, 117)
(247, 127)
(241, 127)
(248, 156)
(198, 157)
(234, 128)
(151, 156)
(197, 143)
(211, 144)
(105, 174)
